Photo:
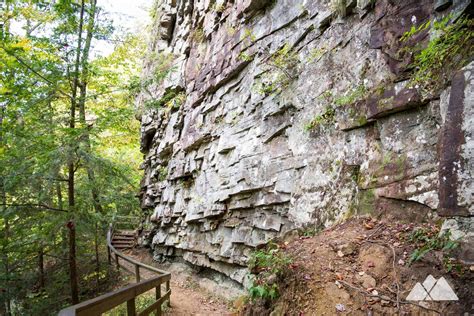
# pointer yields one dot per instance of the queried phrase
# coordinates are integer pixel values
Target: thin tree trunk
(71, 170)
(97, 258)
(6, 308)
(41, 268)
(59, 195)
(82, 105)
(72, 263)
(6, 263)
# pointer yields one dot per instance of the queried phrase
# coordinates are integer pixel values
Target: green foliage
(315, 54)
(162, 173)
(340, 7)
(37, 144)
(282, 69)
(218, 7)
(328, 115)
(171, 100)
(417, 29)
(309, 232)
(427, 240)
(267, 265)
(245, 57)
(248, 35)
(264, 291)
(352, 96)
(197, 35)
(286, 60)
(325, 118)
(449, 49)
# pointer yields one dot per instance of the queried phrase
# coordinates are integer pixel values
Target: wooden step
(125, 232)
(123, 238)
(123, 246)
(123, 242)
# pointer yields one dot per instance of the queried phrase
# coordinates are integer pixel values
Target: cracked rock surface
(228, 164)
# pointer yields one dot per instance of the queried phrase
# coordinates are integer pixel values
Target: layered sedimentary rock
(261, 116)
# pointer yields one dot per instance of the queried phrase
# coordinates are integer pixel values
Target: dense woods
(68, 155)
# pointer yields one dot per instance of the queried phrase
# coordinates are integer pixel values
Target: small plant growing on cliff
(325, 118)
(340, 7)
(450, 48)
(248, 35)
(245, 57)
(427, 240)
(162, 173)
(177, 101)
(162, 66)
(352, 96)
(285, 60)
(328, 115)
(315, 54)
(267, 265)
(171, 100)
(282, 69)
(198, 35)
(218, 7)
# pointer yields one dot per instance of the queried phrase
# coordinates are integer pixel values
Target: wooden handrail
(108, 301)
(128, 294)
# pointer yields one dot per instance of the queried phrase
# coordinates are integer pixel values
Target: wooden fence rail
(128, 294)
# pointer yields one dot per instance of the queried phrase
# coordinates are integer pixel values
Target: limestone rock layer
(260, 116)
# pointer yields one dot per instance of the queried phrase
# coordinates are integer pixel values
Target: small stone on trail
(401, 262)
(369, 225)
(368, 281)
(340, 307)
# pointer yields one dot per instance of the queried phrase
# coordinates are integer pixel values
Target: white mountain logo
(432, 290)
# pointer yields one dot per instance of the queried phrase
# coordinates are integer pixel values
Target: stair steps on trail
(124, 239)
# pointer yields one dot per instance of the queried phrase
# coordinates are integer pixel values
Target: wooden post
(158, 296)
(137, 273)
(131, 307)
(117, 261)
(167, 289)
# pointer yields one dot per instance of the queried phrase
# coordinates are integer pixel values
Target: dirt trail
(361, 267)
(187, 298)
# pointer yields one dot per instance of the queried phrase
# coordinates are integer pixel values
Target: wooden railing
(128, 294)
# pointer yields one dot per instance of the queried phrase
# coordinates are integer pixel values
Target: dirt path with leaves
(187, 298)
(362, 267)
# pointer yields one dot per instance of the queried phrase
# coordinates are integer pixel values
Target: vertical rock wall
(233, 155)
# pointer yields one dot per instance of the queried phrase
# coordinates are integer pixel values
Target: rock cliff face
(261, 116)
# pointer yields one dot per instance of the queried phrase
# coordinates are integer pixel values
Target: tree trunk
(82, 106)
(41, 268)
(5, 308)
(6, 263)
(72, 262)
(71, 169)
(97, 258)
